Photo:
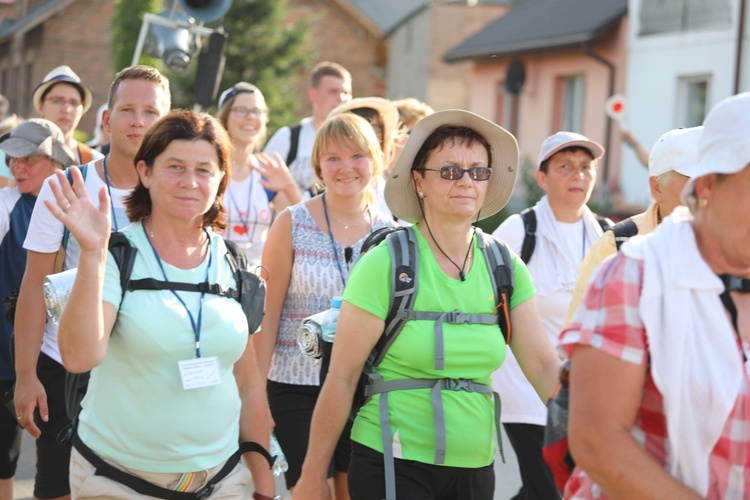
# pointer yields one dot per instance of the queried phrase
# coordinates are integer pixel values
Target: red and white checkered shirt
(607, 320)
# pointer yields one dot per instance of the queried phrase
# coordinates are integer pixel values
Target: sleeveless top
(316, 278)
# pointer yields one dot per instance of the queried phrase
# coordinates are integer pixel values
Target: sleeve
(600, 250)
(608, 317)
(511, 231)
(523, 286)
(45, 231)
(279, 143)
(6, 207)
(369, 286)
(112, 292)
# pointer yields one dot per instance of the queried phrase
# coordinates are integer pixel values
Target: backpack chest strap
(205, 287)
(436, 386)
(454, 317)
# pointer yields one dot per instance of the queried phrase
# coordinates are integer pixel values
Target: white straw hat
(400, 194)
(64, 74)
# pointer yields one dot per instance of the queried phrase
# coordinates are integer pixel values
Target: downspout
(740, 36)
(608, 128)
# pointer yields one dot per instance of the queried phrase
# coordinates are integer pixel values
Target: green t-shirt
(471, 352)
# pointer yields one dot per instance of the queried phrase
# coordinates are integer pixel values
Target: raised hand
(73, 207)
(275, 172)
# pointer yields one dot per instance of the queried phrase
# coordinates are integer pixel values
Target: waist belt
(145, 488)
(436, 386)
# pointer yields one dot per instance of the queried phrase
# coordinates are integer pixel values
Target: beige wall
(537, 100)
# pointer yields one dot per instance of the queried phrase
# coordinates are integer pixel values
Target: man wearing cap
(566, 228)
(33, 151)
(63, 98)
(671, 159)
(138, 96)
(330, 85)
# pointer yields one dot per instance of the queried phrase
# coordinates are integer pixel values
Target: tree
(262, 49)
(126, 25)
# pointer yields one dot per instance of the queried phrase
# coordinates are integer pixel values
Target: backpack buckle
(204, 492)
(452, 384)
(457, 316)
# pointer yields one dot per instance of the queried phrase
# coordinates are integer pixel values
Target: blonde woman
(309, 254)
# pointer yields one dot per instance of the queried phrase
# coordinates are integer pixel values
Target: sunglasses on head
(454, 173)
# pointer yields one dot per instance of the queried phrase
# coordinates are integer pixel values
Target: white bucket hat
(725, 142)
(64, 74)
(400, 194)
(562, 140)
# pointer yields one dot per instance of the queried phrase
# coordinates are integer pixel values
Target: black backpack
(250, 294)
(529, 223)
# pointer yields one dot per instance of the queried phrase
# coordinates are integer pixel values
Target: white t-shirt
(249, 215)
(521, 404)
(46, 234)
(301, 168)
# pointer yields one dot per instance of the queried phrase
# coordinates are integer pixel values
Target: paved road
(506, 475)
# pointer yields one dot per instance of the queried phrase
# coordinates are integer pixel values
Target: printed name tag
(200, 372)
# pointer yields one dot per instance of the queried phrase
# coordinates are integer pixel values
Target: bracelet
(258, 496)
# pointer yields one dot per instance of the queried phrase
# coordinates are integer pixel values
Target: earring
(702, 202)
(421, 195)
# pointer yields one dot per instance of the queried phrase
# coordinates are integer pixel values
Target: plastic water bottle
(331, 319)
(280, 465)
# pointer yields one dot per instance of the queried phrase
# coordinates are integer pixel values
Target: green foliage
(126, 25)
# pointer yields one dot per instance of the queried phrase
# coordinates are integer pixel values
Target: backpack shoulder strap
(236, 257)
(623, 231)
(69, 175)
(604, 222)
(529, 239)
(124, 254)
(294, 131)
(502, 276)
(85, 152)
(404, 252)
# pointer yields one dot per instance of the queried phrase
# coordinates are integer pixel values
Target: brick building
(38, 35)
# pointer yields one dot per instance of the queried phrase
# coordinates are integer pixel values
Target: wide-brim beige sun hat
(400, 194)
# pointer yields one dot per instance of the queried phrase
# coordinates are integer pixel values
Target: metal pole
(141, 40)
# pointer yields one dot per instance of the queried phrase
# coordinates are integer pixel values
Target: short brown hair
(182, 125)
(327, 68)
(573, 149)
(140, 72)
(449, 134)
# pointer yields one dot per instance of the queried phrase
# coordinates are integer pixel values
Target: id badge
(199, 372)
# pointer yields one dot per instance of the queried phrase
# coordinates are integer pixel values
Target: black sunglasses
(454, 173)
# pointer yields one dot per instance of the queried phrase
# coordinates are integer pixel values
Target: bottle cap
(336, 302)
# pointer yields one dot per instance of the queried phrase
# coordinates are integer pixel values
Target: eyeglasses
(59, 102)
(454, 173)
(244, 112)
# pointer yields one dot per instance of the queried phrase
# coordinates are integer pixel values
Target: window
(692, 96)
(668, 16)
(570, 107)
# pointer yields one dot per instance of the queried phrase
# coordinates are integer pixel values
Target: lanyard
(246, 220)
(109, 192)
(333, 243)
(196, 325)
(726, 300)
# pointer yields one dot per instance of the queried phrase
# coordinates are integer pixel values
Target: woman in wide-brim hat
(456, 168)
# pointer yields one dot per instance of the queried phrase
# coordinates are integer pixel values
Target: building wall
(537, 100)
(74, 37)
(657, 62)
(336, 36)
(416, 67)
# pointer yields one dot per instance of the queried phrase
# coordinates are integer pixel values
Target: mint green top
(135, 411)
(471, 352)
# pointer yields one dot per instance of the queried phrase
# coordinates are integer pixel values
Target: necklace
(461, 270)
(347, 225)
